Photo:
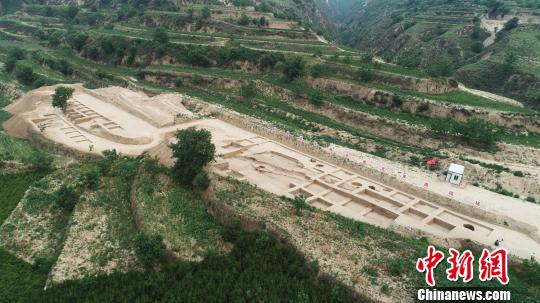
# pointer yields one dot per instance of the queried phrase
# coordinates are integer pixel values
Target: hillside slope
(479, 39)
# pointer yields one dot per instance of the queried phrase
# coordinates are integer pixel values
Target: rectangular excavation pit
(441, 225)
(381, 200)
(415, 214)
(316, 187)
(320, 203)
(354, 184)
(330, 179)
(402, 197)
(342, 174)
(381, 216)
(334, 197)
(302, 192)
(357, 205)
(425, 207)
(466, 223)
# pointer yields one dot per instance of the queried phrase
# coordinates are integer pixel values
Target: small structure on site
(455, 173)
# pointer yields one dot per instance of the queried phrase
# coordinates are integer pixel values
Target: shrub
(396, 267)
(25, 74)
(397, 101)
(178, 82)
(317, 70)
(149, 248)
(477, 47)
(40, 161)
(10, 65)
(519, 174)
(422, 107)
(316, 98)
(205, 13)
(66, 198)
(160, 36)
(371, 271)
(90, 178)
(248, 90)
(43, 264)
(202, 181)
(243, 20)
(196, 80)
(531, 199)
(231, 231)
(293, 68)
(364, 75)
(192, 151)
(299, 203)
(61, 96)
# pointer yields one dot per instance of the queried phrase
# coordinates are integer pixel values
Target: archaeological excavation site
(269, 151)
(114, 118)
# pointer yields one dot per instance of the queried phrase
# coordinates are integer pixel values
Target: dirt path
(490, 96)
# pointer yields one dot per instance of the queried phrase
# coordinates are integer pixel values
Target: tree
(477, 47)
(202, 181)
(192, 151)
(243, 20)
(10, 64)
(39, 161)
(61, 96)
(509, 61)
(205, 13)
(149, 248)
(25, 74)
(511, 24)
(66, 198)
(160, 36)
(293, 68)
(77, 40)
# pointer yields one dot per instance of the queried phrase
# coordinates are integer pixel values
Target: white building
(455, 173)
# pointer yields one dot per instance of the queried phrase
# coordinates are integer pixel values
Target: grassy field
(12, 188)
(18, 279)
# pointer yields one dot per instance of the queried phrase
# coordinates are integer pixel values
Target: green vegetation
(149, 248)
(192, 151)
(256, 259)
(19, 281)
(61, 96)
(12, 188)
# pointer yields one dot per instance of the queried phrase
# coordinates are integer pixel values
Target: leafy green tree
(511, 24)
(61, 96)
(293, 68)
(25, 74)
(149, 248)
(192, 151)
(477, 47)
(66, 198)
(202, 181)
(77, 40)
(205, 13)
(71, 11)
(160, 36)
(244, 19)
(10, 65)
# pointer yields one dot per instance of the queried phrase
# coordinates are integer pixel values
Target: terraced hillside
(478, 42)
(271, 63)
